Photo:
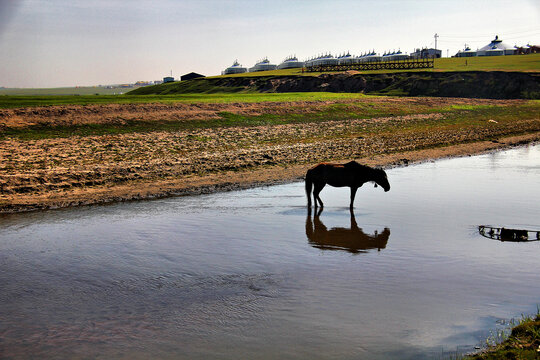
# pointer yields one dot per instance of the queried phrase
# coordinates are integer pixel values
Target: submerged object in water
(504, 234)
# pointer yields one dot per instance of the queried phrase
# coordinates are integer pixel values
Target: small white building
(327, 59)
(291, 63)
(347, 59)
(467, 52)
(394, 56)
(263, 65)
(371, 56)
(235, 68)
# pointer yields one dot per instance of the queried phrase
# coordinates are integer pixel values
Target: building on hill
(235, 68)
(467, 52)
(371, 56)
(426, 54)
(290, 63)
(190, 76)
(528, 49)
(263, 65)
(394, 56)
(347, 59)
(168, 79)
(496, 48)
(143, 83)
(327, 59)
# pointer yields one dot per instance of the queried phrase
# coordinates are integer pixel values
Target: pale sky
(53, 43)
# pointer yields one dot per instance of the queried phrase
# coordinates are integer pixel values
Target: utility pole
(436, 36)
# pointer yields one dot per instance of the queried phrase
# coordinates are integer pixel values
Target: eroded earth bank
(69, 155)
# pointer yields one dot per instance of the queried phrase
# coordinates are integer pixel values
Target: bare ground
(121, 113)
(60, 172)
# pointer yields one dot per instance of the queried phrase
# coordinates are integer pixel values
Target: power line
(501, 35)
(511, 32)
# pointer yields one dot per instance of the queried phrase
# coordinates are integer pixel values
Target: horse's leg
(309, 185)
(353, 194)
(316, 190)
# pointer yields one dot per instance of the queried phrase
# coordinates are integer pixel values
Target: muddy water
(250, 275)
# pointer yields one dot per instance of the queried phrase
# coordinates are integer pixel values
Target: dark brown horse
(350, 174)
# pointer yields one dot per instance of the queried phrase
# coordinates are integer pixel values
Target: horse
(351, 174)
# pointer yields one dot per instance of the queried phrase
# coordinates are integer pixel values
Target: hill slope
(471, 84)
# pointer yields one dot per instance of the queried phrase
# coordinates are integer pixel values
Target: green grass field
(84, 90)
(490, 63)
(27, 101)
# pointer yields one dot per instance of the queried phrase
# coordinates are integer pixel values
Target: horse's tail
(309, 186)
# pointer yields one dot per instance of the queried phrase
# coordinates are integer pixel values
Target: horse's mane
(354, 165)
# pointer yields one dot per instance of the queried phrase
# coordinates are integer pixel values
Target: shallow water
(249, 274)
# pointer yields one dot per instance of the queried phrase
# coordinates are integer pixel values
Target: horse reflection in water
(353, 240)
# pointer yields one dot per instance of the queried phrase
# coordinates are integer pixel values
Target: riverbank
(77, 155)
(522, 343)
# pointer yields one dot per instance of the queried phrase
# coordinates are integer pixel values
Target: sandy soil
(53, 173)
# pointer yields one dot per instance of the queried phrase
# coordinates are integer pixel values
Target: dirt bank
(53, 172)
(234, 180)
(470, 84)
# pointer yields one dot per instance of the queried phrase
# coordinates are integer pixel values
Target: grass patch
(527, 63)
(454, 116)
(8, 101)
(523, 342)
(85, 90)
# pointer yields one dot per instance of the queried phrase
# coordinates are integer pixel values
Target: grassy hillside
(482, 63)
(513, 76)
(474, 84)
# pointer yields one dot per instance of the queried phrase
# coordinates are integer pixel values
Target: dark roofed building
(426, 53)
(190, 76)
(528, 49)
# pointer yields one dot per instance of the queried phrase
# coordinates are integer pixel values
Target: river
(249, 274)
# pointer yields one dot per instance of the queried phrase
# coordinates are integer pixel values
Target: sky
(55, 43)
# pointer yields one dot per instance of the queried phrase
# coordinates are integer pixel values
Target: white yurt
(263, 65)
(236, 68)
(467, 52)
(496, 48)
(290, 63)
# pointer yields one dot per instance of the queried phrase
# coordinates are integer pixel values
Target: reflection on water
(232, 276)
(504, 234)
(352, 239)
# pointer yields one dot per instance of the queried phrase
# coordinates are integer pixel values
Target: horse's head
(381, 179)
